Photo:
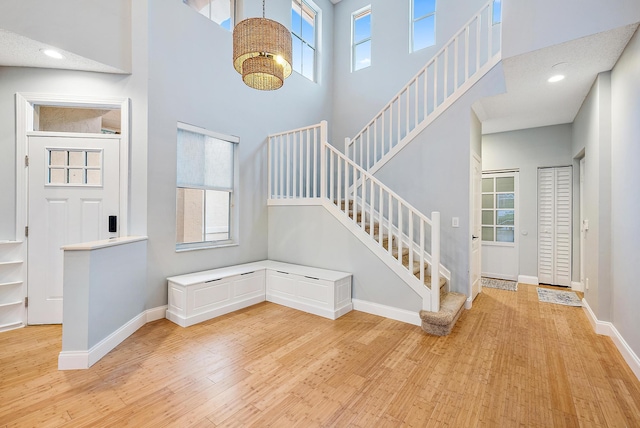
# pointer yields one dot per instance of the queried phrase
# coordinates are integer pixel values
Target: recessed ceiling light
(52, 53)
(556, 78)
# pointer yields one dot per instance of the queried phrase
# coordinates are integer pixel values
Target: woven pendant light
(262, 52)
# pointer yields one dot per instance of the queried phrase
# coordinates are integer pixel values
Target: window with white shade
(219, 11)
(423, 24)
(361, 39)
(206, 212)
(304, 19)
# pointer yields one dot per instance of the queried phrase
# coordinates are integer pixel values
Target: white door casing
(476, 231)
(584, 226)
(554, 226)
(25, 124)
(73, 187)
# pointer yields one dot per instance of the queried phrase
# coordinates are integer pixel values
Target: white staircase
(303, 168)
(470, 54)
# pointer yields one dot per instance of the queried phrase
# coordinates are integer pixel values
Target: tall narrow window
(423, 24)
(496, 17)
(498, 207)
(206, 188)
(219, 11)
(361, 39)
(303, 32)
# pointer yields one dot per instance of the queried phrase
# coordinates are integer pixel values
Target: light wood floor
(510, 361)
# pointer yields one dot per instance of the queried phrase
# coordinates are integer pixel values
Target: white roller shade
(204, 161)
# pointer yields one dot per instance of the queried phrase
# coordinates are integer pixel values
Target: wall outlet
(455, 222)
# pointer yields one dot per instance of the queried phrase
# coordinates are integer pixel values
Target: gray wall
(358, 96)
(312, 236)
(191, 80)
(592, 136)
(625, 197)
(526, 151)
(104, 289)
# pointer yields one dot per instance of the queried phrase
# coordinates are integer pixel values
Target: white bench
(200, 296)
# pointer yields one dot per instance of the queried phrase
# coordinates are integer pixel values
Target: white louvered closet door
(554, 226)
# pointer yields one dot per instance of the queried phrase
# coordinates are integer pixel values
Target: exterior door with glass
(73, 189)
(500, 257)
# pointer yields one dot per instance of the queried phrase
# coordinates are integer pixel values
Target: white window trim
(412, 22)
(355, 15)
(234, 222)
(516, 208)
(234, 10)
(318, 38)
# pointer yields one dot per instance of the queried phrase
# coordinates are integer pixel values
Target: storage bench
(200, 296)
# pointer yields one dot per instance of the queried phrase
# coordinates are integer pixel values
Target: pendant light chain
(263, 15)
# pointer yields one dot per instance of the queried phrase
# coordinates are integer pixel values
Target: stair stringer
(444, 272)
(392, 263)
(462, 90)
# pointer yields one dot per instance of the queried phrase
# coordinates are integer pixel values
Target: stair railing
(294, 164)
(459, 64)
(397, 220)
(304, 168)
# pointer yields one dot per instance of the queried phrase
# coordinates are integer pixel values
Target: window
(361, 39)
(496, 17)
(423, 20)
(219, 11)
(74, 167)
(206, 188)
(303, 35)
(498, 207)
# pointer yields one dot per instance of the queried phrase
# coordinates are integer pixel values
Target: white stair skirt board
(397, 314)
(76, 360)
(606, 328)
(524, 279)
(577, 286)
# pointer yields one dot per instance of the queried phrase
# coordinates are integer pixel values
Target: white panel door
(73, 189)
(546, 185)
(554, 225)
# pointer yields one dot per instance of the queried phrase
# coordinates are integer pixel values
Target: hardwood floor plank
(510, 361)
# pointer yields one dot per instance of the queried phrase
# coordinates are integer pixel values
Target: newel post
(435, 261)
(323, 159)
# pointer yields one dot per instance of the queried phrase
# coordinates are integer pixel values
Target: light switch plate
(455, 222)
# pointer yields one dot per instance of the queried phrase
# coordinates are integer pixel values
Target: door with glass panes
(499, 225)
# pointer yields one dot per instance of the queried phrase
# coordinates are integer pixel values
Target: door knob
(474, 237)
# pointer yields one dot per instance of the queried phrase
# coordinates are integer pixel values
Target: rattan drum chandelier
(262, 52)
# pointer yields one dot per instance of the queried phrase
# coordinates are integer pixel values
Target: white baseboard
(75, 360)
(397, 314)
(606, 328)
(156, 314)
(577, 286)
(525, 279)
(499, 276)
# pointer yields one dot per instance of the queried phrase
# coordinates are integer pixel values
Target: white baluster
(435, 261)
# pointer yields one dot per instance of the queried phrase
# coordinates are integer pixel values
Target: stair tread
(450, 305)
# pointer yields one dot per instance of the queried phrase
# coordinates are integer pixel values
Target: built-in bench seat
(200, 296)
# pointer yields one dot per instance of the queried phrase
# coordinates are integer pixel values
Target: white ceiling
(531, 101)
(20, 51)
